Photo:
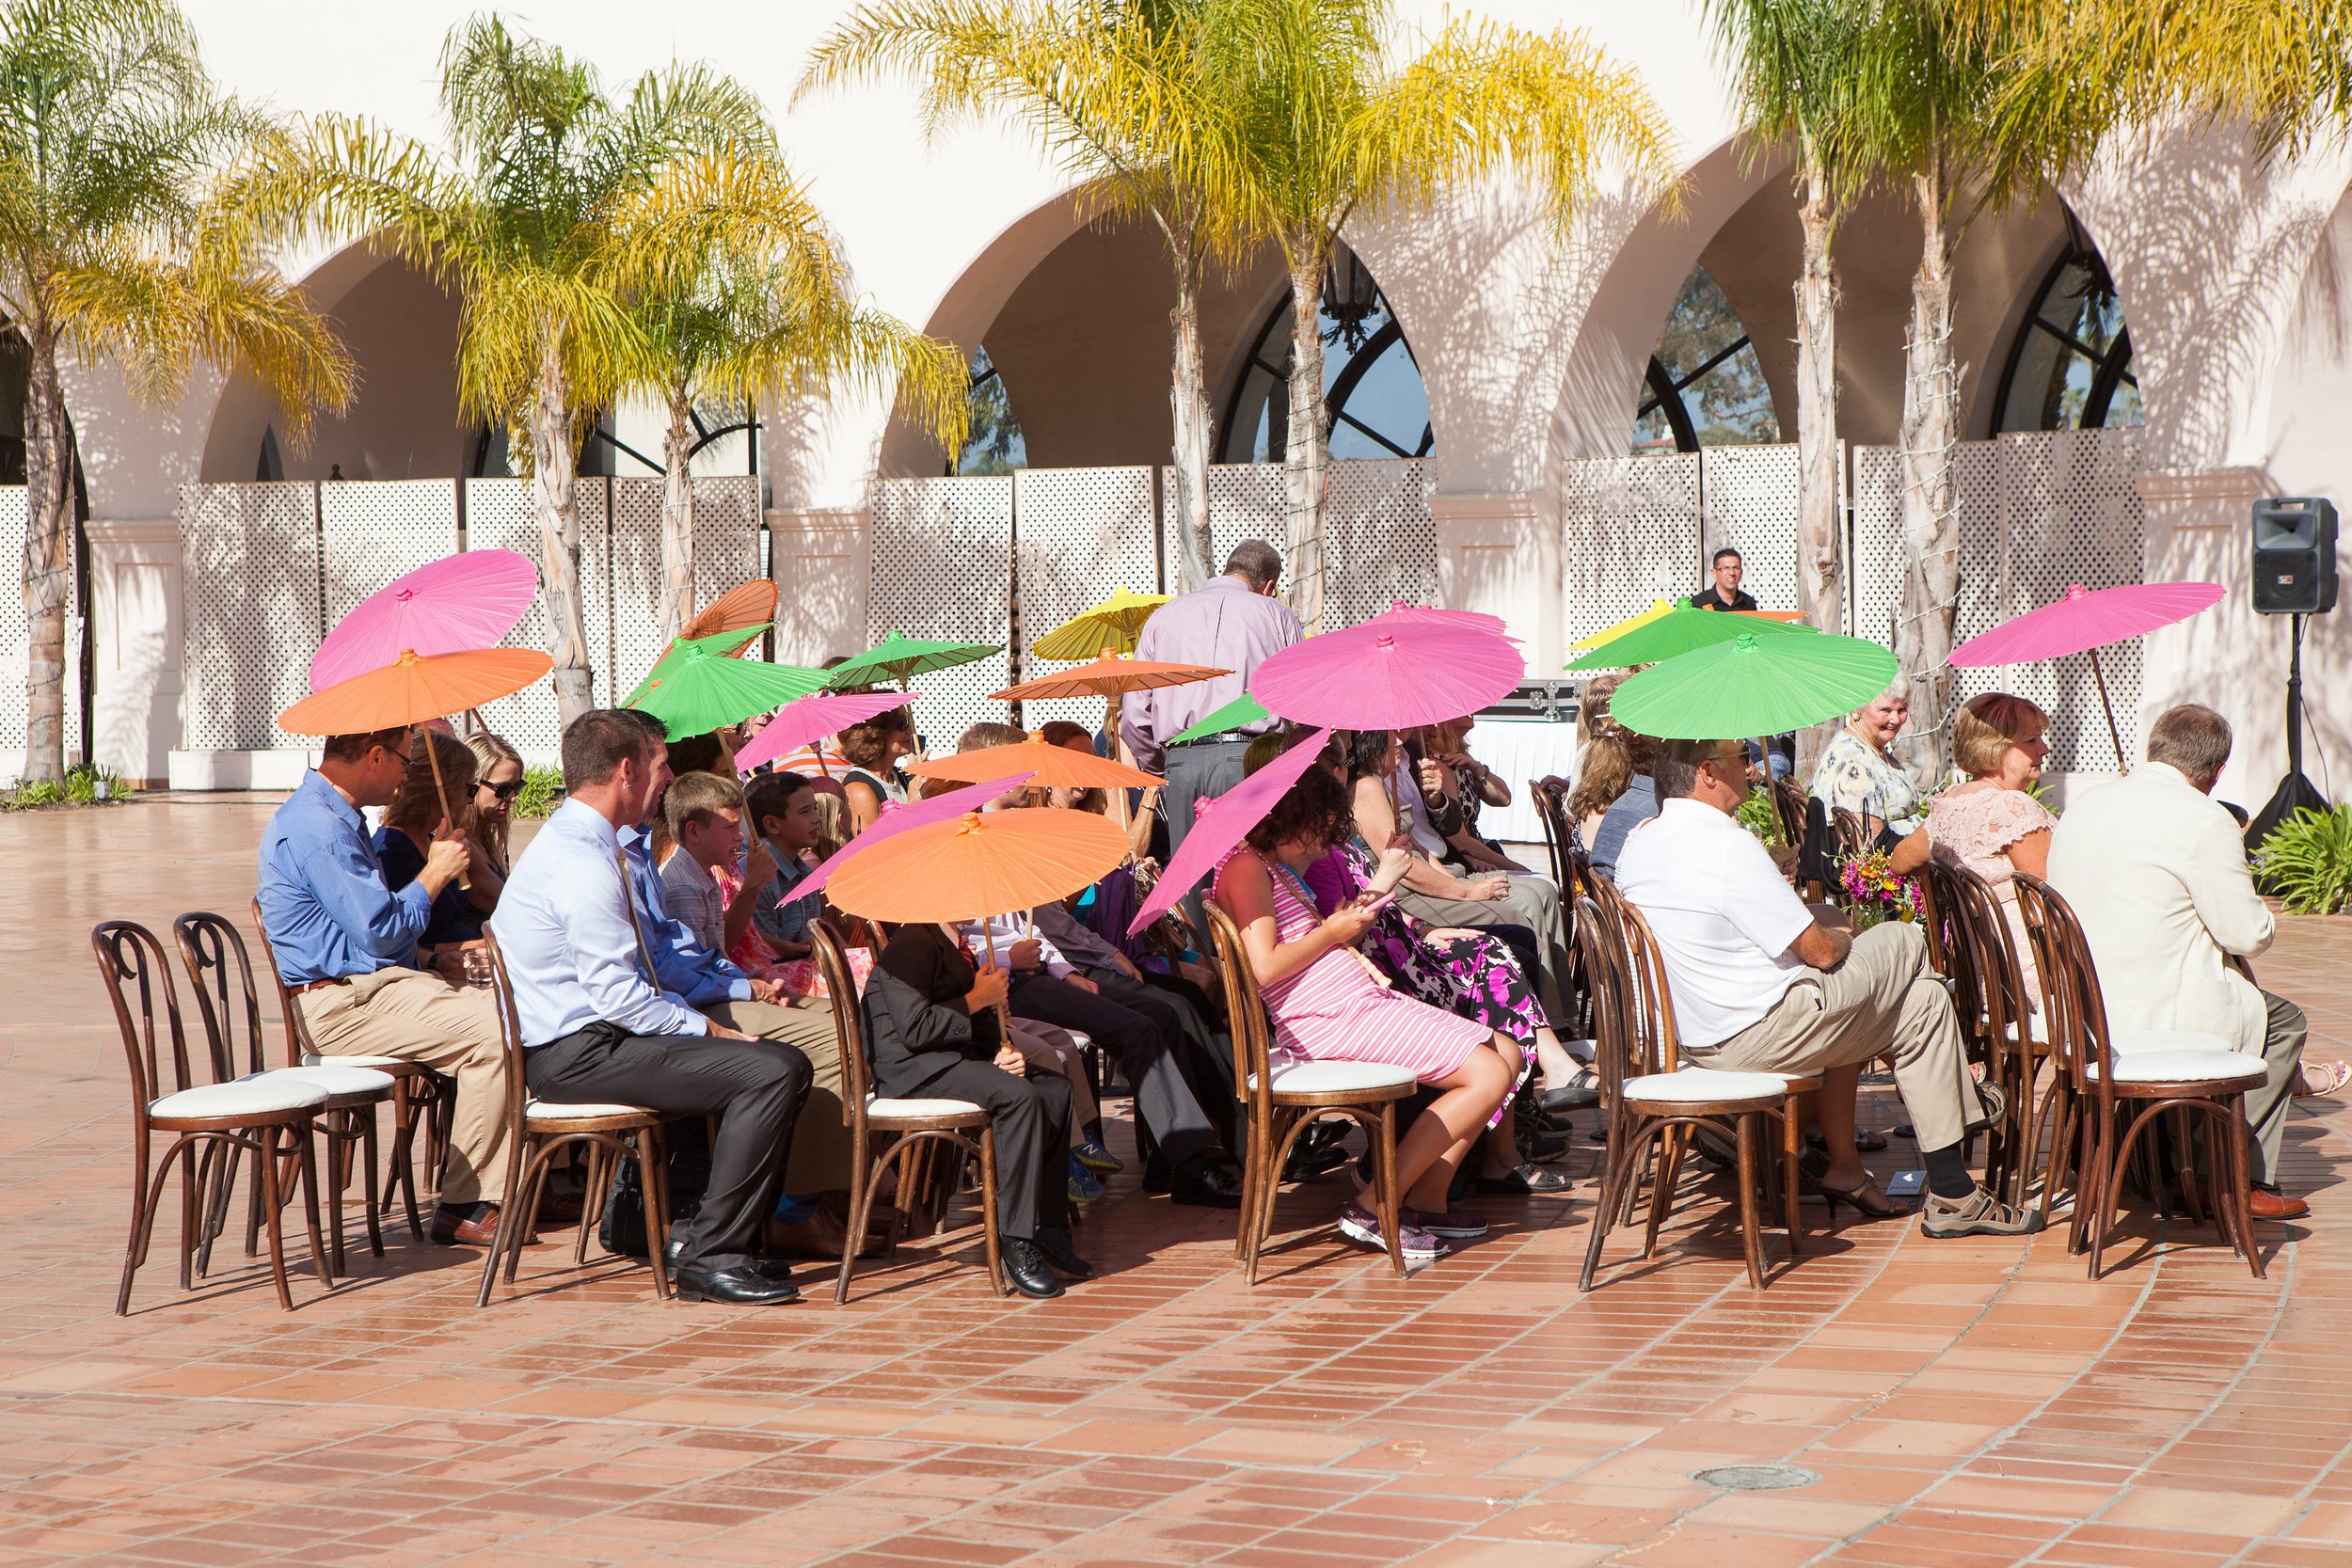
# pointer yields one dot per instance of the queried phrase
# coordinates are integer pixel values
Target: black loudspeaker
(2295, 555)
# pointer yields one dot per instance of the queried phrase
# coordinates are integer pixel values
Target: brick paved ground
(1963, 1403)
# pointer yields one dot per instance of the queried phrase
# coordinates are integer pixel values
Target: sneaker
(1454, 1225)
(1084, 1188)
(1092, 1155)
(1362, 1226)
(1979, 1215)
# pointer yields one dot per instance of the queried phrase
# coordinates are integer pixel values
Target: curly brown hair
(867, 744)
(1315, 810)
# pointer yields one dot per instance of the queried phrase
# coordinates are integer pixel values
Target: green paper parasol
(1676, 632)
(900, 657)
(728, 643)
(696, 687)
(1755, 683)
(1244, 709)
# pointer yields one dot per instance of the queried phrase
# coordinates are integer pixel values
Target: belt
(1223, 737)
(310, 986)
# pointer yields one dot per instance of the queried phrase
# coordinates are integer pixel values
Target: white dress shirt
(1724, 918)
(1006, 929)
(563, 922)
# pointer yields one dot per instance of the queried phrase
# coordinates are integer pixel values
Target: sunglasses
(507, 791)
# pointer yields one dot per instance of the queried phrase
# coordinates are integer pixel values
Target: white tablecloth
(1519, 749)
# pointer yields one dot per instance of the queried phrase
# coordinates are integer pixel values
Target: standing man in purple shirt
(1234, 623)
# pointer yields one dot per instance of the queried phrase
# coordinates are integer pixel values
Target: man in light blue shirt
(345, 945)
(597, 1028)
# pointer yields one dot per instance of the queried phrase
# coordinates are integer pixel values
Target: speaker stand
(2294, 792)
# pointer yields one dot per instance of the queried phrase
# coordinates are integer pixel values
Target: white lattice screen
(1748, 500)
(498, 516)
(253, 613)
(370, 533)
(1630, 536)
(15, 633)
(2038, 510)
(943, 555)
(726, 552)
(1080, 534)
(726, 534)
(1380, 543)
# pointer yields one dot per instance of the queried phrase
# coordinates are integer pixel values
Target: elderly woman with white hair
(1858, 771)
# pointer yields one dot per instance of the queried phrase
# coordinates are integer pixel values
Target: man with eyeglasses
(1760, 986)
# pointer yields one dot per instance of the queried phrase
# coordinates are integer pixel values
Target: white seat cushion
(261, 1095)
(920, 1108)
(311, 1058)
(335, 1079)
(565, 1110)
(2135, 1040)
(1696, 1084)
(2180, 1065)
(1335, 1075)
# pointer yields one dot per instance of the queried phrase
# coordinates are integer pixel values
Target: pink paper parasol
(459, 602)
(1389, 673)
(896, 819)
(1222, 822)
(809, 718)
(1476, 620)
(2083, 623)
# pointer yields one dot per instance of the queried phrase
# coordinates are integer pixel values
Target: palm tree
(1113, 90)
(521, 218)
(1789, 61)
(1335, 124)
(115, 244)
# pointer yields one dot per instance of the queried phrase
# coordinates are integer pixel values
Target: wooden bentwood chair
(266, 1116)
(221, 975)
(1650, 1100)
(1283, 1099)
(915, 1128)
(538, 1129)
(2125, 1082)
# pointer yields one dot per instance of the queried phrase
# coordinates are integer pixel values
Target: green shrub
(87, 784)
(2307, 861)
(1757, 814)
(542, 792)
(33, 796)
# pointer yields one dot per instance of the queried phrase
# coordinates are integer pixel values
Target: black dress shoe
(736, 1286)
(770, 1268)
(1568, 1097)
(1306, 1164)
(1052, 1242)
(1207, 1185)
(1027, 1269)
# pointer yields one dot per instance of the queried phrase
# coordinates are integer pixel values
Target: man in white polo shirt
(1758, 985)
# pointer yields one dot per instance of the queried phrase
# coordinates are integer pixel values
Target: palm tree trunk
(677, 517)
(1188, 414)
(554, 469)
(1820, 522)
(1306, 450)
(48, 535)
(1930, 512)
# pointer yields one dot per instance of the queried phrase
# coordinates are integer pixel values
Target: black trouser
(1206, 1062)
(754, 1087)
(1032, 1115)
(1150, 1047)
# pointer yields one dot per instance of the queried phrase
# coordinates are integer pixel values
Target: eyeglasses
(507, 791)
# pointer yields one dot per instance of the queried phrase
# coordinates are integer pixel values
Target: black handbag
(623, 1228)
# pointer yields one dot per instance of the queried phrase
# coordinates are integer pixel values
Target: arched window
(993, 443)
(1706, 386)
(2070, 367)
(1373, 397)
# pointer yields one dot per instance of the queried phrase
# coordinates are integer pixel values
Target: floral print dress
(1856, 778)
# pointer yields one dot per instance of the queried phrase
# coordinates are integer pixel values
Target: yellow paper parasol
(1115, 623)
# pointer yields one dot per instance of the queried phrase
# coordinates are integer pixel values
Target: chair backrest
(213, 952)
(509, 1039)
(1246, 1014)
(1601, 947)
(1547, 810)
(297, 1036)
(1789, 810)
(1851, 831)
(1941, 918)
(2076, 1012)
(1653, 1016)
(132, 963)
(831, 951)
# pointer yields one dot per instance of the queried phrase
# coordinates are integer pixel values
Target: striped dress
(1336, 1006)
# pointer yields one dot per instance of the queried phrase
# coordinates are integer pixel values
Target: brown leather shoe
(2268, 1204)
(449, 1231)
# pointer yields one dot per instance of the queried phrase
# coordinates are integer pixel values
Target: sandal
(1864, 1142)
(1521, 1183)
(1868, 1200)
(2331, 1079)
(1578, 1092)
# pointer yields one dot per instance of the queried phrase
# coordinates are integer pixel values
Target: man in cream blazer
(2156, 868)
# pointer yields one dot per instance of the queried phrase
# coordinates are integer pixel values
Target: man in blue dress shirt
(598, 1025)
(346, 946)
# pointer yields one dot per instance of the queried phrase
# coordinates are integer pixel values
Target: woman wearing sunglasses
(498, 778)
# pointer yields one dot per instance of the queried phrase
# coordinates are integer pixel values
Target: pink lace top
(1975, 828)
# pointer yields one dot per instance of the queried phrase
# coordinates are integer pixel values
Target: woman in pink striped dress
(1328, 1002)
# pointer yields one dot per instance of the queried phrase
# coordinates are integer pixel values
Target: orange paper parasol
(741, 607)
(979, 864)
(1051, 765)
(410, 690)
(1106, 677)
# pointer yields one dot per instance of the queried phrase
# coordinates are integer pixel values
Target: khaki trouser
(451, 1029)
(1883, 998)
(818, 1161)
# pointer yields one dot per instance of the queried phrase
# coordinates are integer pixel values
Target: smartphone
(1906, 1183)
(1382, 902)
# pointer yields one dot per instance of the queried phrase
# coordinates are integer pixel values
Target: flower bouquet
(1874, 893)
